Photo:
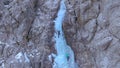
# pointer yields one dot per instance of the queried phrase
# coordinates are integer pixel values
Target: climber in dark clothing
(58, 33)
(68, 57)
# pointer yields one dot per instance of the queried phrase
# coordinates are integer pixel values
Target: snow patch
(26, 58)
(22, 57)
(19, 56)
(51, 56)
(3, 65)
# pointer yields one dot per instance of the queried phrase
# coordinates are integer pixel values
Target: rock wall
(26, 31)
(91, 27)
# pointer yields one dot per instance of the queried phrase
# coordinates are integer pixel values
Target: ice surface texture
(65, 55)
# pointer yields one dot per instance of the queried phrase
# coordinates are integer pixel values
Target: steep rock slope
(26, 31)
(92, 29)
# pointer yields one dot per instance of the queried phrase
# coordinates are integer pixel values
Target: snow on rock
(22, 57)
(26, 58)
(19, 55)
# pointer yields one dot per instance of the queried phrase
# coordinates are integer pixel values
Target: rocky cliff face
(91, 28)
(26, 30)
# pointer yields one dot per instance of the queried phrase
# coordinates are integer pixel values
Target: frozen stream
(65, 55)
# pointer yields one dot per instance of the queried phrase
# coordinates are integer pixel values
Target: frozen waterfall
(65, 55)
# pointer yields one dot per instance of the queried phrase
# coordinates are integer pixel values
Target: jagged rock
(96, 23)
(91, 28)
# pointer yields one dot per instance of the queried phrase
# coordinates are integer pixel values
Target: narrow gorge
(59, 33)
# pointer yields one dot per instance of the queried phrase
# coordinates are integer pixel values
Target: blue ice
(65, 55)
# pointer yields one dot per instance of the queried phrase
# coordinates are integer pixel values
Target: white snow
(22, 57)
(4, 43)
(3, 65)
(19, 56)
(63, 50)
(26, 58)
(50, 58)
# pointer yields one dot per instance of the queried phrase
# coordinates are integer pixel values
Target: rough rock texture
(91, 27)
(26, 31)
